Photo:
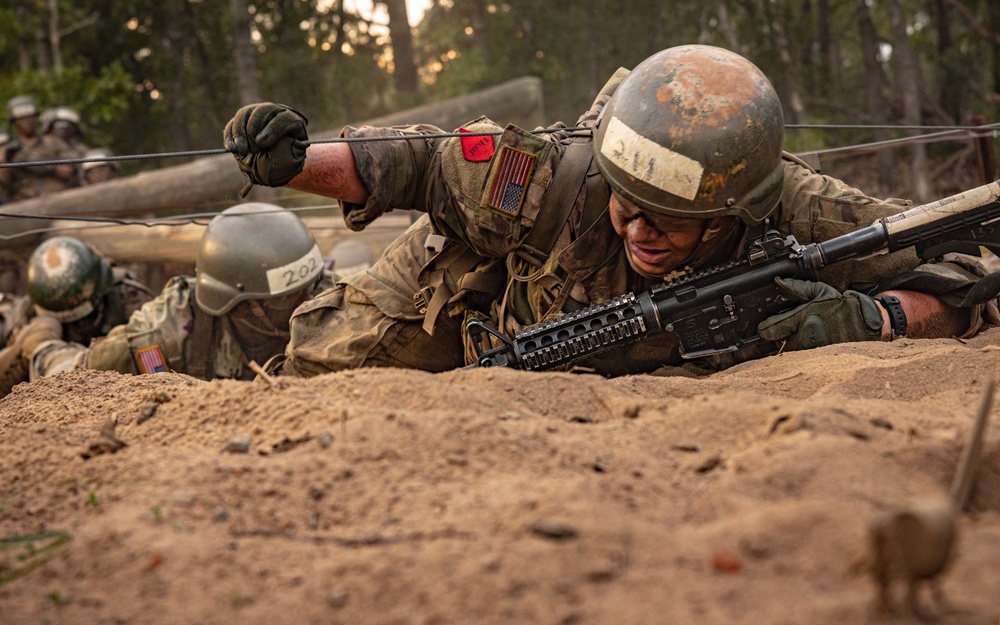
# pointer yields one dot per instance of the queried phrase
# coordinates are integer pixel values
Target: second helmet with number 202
(695, 132)
(254, 251)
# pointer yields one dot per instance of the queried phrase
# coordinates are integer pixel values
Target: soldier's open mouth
(648, 256)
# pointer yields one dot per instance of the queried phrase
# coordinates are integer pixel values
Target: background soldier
(95, 172)
(74, 294)
(256, 263)
(64, 122)
(31, 146)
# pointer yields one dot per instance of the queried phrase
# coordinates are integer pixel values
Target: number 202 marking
(295, 275)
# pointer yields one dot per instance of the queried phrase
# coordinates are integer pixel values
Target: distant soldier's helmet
(97, 153)
(351, 257)
(254, 251)
(67, 278)
(21, 106)
(66, 114)
(694, 132)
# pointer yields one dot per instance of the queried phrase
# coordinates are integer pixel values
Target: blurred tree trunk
(54, 35)
(244, 54)
(787, 80)
(405, 74)
(949, 95)
(44, 61)
(480, 42)
(829, 57)
(594, 83)
(808, 28)
(201, 70)
(876, 105)
(909, 85)
(726, 27)
(174, 45)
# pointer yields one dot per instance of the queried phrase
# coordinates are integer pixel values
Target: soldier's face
(100, 173)
(657, 244)
(64, 129)
(26, 126)
(266, 316)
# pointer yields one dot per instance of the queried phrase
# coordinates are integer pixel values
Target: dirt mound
(492, 496)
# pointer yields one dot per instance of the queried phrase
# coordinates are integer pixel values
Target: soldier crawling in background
(97, 171)
(74, 294)
(256, 263)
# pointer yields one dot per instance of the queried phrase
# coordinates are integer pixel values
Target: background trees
(152, 76)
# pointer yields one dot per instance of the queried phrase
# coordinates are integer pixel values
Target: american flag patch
(151, 360)
(513, 169)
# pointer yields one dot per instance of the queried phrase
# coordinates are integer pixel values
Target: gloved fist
(827, 316)
(268, 141)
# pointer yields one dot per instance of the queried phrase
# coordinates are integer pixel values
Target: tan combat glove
(40, 329)
(15, 359)
(13, 368)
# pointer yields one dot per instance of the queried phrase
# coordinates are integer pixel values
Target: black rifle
(718, 309)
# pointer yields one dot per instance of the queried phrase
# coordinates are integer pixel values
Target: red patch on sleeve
(478, 148)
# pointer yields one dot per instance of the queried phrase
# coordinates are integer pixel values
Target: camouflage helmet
(21, 106)
(66, 278)
(254, 251)
(694, 131)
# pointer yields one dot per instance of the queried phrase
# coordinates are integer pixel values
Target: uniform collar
(596, 259)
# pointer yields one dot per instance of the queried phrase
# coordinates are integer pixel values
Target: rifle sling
(557, 203)
(459, 263)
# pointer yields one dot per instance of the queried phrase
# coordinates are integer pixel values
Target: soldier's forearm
(330, 171)
(927, 317)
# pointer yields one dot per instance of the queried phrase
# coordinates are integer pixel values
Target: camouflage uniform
(38, 180)
(170, 333)
(7, 146)
(15, 311)
(469, 255)
(126, 295)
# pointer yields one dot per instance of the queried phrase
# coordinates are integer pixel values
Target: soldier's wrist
(893, 317)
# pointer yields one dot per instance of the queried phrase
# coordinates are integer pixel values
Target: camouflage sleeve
(155, 332)
(56, 356)
(15, 311)
(393, 171)
(484, 190)
(952, 279)
(48, 148)
(816, 208)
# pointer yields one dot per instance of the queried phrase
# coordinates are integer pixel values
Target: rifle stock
(718, 310)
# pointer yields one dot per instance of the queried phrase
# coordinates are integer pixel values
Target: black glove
(827, 316)
(268, 141)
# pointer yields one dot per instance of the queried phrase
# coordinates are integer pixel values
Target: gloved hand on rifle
(825, 317)
(268, 141)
